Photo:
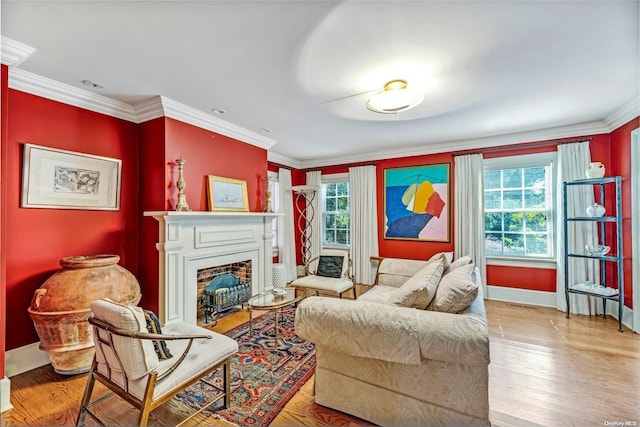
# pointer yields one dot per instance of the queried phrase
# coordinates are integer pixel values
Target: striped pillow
(153, 326)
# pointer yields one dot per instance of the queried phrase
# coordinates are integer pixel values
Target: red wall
(205, 153)
(621, 165)
(38, 238)
(4, 121)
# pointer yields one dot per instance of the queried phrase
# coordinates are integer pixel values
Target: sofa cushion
(419, 290)
(446, 258)
(463, 260)
(456, 291)
(378, 293)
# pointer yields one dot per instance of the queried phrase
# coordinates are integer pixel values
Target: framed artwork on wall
(416, 203)
(227, 194)
(60, 179)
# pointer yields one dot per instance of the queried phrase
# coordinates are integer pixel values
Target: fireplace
(222, 288)
(192, 242)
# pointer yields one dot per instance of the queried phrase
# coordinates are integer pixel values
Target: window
(274, 187)
(335, 210)
(519, 206)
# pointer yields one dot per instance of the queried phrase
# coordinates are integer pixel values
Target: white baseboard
(521, 296)
(23, 359)
(548, 299)
(5, 394)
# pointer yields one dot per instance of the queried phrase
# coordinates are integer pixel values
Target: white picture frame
(59, 179)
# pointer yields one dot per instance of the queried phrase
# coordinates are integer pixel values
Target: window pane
(343, 204)
(536, 221)
(512, 178)
(537, 244)
(534, 198)
(342, 221)
(330, 189)
(513, 243)
(492, 200)
(330, 205)
(512, 199)
(343, 189)
(342, 237)
(492, 179)
(534, 177)
(329, 236)
(493, 242)
(329, 221)
(493, 221)
(513, 221)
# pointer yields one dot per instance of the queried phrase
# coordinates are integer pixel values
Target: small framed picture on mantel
(227, 194)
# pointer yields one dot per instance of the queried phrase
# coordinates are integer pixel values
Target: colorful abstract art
(416, 203)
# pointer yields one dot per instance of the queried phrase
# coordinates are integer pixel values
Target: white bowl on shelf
(597, 250)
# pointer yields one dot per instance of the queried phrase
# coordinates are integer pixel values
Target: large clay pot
(60, 307)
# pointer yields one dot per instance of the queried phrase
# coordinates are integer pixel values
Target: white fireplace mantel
(189, 241)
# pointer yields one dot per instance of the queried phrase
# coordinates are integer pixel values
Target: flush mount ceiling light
(394, 98)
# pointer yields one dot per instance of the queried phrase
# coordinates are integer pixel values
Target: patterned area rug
(263, 377)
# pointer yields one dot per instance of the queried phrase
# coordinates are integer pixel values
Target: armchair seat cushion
(321, 283)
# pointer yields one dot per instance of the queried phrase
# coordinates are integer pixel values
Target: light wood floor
(545, 370)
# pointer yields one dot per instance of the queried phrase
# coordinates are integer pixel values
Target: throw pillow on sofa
(463, 260)
(456, 291)
(446, 258)
(419, 290)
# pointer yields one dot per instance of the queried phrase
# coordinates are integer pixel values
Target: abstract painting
(416, 203)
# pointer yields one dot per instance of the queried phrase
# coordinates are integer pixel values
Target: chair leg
(86, 397)
(145, 409)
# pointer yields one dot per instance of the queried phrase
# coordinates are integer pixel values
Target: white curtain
(469, 211)
(286, 232)
(364, 222)
(573, 161)
(314, 209)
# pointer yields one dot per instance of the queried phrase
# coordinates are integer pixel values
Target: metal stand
(306, 193)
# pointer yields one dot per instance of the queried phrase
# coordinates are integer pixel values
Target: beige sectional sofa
(399, 365)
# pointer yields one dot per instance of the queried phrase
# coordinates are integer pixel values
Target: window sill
(341, 247)
(522, 262)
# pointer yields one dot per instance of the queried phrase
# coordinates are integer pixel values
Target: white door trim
(635, 226)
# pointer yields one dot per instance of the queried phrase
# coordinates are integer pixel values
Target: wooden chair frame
(148, 403)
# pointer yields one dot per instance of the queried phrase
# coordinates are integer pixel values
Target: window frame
(524, 161)
(274, 181)
(333, 179)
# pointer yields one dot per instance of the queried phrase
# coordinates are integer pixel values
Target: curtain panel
(363, 222)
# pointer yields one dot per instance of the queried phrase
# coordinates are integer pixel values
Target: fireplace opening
(222, 289)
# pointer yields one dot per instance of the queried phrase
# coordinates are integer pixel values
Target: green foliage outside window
(517, 211)
(336, 213)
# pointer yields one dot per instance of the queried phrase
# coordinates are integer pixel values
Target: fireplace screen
(221, 288)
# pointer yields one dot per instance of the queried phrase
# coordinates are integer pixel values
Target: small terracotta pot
(60, 307)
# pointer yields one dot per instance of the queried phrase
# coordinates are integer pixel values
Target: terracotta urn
(60, 307)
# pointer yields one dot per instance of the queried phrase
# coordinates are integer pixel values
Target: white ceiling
(487, 68)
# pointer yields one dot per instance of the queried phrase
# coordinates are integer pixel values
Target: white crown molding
(184, 113)
(627, 112)
(283, 160)
(13, 53)
(51, 89)
(589, 128)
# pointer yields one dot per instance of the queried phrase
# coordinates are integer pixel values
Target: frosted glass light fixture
(394, 98)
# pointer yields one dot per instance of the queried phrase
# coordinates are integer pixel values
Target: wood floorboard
(545, 370)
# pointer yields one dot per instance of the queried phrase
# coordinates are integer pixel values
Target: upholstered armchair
(328, 273)
(145, 368)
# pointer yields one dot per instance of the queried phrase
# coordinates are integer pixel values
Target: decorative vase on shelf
(595, 170)
(60, 307)
(595, 210)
